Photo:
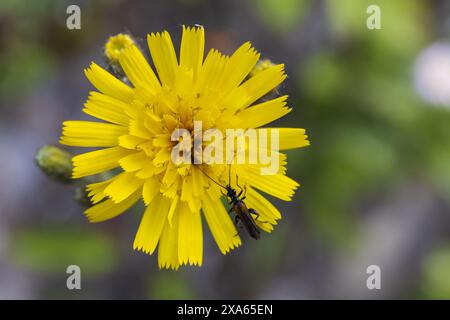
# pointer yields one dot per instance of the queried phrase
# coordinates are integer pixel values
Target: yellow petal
(172, 209)
(97, 161)
(96, 190)
(108, 84)
(150, 190)
(138, 129)
(164, 57)
(291, 138)
(151, 225)
(122, 187)
(198, 182)
(130, 141)
(162, 140)
(263, 225)
(239, 66)
(211, 77)
(149, 170)
(219, 222)
(171, 191)
(190, 236)
(184, 86)
(170, 176)
(138, 70)
(192, 49)
(187, 189)
(108, 209)
(91, 134)
(133, 162)
(168, 245)
(255, 88)
(288, 138)
(162, 156)
(267, 211)
(278, 185)
(153, 123)
(264, 113)
(107, 108)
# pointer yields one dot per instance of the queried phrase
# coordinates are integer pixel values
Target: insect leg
(253, 211)
(245, 193)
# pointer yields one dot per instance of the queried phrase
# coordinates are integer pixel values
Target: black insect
(238, 206)
(243, 213)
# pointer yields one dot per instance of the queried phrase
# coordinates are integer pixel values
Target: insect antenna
(211, 178)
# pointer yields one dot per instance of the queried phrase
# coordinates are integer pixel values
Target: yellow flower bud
(115, 45)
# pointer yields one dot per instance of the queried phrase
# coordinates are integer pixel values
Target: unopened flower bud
(55, 162)
(115, 45)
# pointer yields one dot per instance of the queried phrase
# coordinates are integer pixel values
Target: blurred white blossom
(432, 74)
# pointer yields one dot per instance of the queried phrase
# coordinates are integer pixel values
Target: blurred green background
(375, 180)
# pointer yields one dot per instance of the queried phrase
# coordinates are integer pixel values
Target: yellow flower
(115, 45)
(136, 136)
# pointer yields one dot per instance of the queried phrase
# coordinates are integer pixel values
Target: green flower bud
(55, 162)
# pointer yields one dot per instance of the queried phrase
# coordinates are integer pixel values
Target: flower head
(137, 136)
(115, 45)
